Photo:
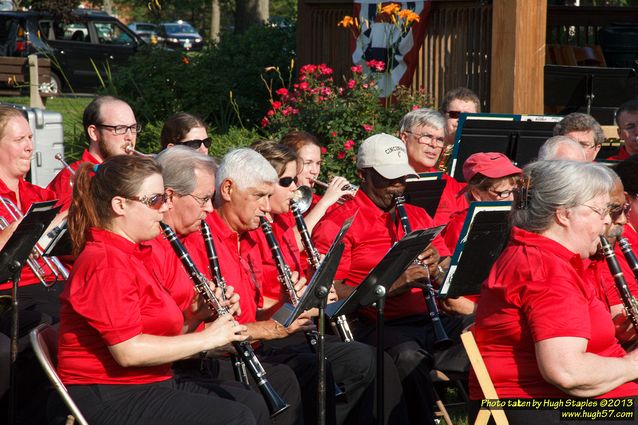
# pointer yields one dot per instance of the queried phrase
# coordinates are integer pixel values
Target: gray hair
(423, 116)
(246, 168)
(549, 149)
(559, 184)
(577, 121)
(178, 168)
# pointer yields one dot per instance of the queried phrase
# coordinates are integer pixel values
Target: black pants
(350, 365)
(409, 342)
(173, 402)
(280, 376)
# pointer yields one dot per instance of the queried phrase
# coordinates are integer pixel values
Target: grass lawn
(71, 109)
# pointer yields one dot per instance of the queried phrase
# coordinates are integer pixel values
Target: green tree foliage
(159, 82)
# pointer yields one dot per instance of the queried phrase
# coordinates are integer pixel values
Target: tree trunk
(250, 12)
(108, 6)
(214, 21)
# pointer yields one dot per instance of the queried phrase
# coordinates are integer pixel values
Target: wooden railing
(457, 50)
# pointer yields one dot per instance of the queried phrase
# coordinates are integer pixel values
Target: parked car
(146, 31)
(93, 42)
(179, 35)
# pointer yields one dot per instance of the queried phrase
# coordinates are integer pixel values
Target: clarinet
(628, 300)
(283, 273)
(340, 324)
(275, 403)
(442, 340)
(239, 367)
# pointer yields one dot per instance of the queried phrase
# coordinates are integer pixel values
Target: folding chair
(484, 380)
(44, 341)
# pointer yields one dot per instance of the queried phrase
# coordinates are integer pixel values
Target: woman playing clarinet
(541, 326)
(120, 329)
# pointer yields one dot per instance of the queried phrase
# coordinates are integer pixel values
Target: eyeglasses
(438, 142)
(287, 181)
(196, 143)
(587, 146)
(615, 211)
(454, 114)
(501, 194)
(202, 201)
(154, 201)
(122, 129)
(602, 212)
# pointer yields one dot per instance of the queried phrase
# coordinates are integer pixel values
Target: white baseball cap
(386, 154)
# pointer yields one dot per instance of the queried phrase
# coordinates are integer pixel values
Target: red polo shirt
(621, 155)
(174, 276)
(113, 295)
(29, 193)
(452, 231)
(452, 199)
(371, 235)
(536, 291)
(239, 269)
(283, 226)
(61, 184)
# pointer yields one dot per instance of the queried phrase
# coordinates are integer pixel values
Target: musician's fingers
(230, 291)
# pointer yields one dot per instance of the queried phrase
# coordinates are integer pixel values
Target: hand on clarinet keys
(229, 299)
(299, 283)
(223, 331)
(302, 324)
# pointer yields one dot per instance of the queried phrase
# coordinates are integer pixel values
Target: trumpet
(346, 187)
(129, 149)
(53, 263)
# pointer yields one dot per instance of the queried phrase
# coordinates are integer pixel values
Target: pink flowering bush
(340, 112)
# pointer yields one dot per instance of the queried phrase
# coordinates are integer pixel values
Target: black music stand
(595, 90)
(315, 296)
(519, 140)
(484, 236)
(425, 193)
(60, 244)
(376, 284)
(13, 257)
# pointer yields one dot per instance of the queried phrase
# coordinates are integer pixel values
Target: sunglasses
(454, 114)
(616, 211)
(154, 202)
(287, 181)
(196, 143)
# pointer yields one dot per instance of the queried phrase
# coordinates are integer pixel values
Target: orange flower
(346, 22)
(390, 9)
(412, 17)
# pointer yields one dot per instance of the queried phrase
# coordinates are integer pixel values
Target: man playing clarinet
(382, 164)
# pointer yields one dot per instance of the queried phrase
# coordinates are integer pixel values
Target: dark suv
(93, 41)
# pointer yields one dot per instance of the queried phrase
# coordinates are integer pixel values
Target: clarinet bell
(302, 198)
(275, 403)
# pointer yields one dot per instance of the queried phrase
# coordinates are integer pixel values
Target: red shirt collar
(87, 157)
(547, 245)
(112, 239)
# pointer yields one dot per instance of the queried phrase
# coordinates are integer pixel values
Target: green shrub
(148, 141)
(158, 83)
(341, 117)
(236, 137)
